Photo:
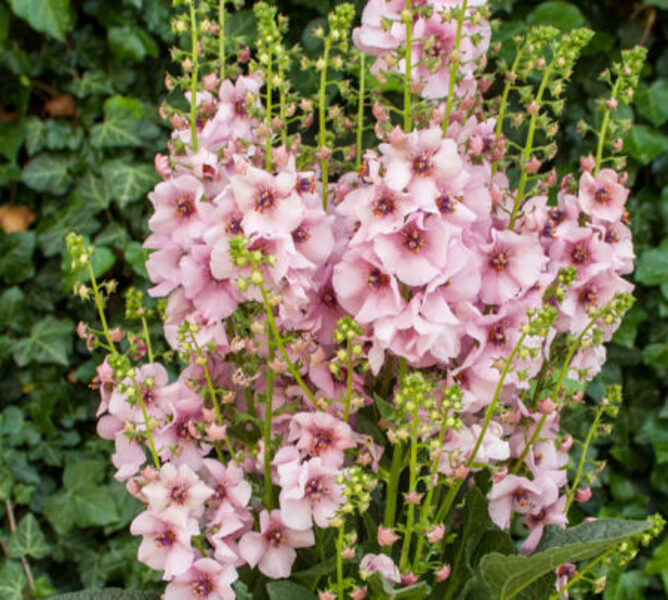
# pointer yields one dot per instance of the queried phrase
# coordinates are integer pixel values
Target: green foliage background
(89, 170)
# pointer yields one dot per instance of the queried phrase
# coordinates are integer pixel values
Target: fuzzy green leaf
(287, 590)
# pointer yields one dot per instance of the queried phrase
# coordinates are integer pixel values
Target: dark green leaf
(287, 590)
(28, 539)
(50, 341)
(652, 268)
(381, 590)
(16, 250)
(120, 124)
(11, 139)
(131, 43)
(645, 144)
(60, 512)
(95, 506)
(90, 188)
(127, 181)
(108, 594)
(652, 102)
(508, 576)
(12, 581)
(102, 260)
(54, 17)
(562, 15)
(82, 473)
(48, 173)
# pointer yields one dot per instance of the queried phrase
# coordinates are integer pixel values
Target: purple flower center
(220, 492)
(422, 164)
(579, 253)
(184, 207)
(521, 496)
(611, 236)
(264, 201)
(497, 336)
(567, 570)
(414, 240)
(434, 47)
(446, 203)
(376, 279)
(383, 206)
(232, 226)
(589, 295)
(202, 587)
(275, 538)
(301, 234)
(555, 217)
(322, 440)
(179, 494)
(306, 185)
(603, 195)
(208, 171)
(240, 107)
(499, 261)
(182, 430)
(166, 539)
(314, 489)
(328, 298)
(147, 395)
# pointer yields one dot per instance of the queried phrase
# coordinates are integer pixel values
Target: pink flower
(372, 563)
(550, 515)
(443, 573)
(582, 248)
(205, 580)
(309, 493)
(436, 534)
(603, 197)
(166, 540)
(321, 435)
(518, 494)
(179, 488)
(372, 37)
(386, 536)
(273, 548)
(512, 264)
(364, 287)
(228, 483)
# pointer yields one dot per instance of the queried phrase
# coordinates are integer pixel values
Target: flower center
(521, 496)
(306, 185)
(579, 253)
(497, 336)
(148, 395)
(202, 587)
(301, 234)
(589, 295)
(321, 442)
(240, 107)
(383, 206)
(220, 492)
(376, 279)
(208, 171)
(314, 490)
(446, 204)
(275, 538)
(422, 164)
(611, 236)
(232, 226)
(328, 298)
(264, 201)
(185, 207)
(499, 261)
(414, 240)
(603, 195)
(179, 494)
(166, 539)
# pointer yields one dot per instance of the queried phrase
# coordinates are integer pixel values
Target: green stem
(454, 68)
(195, 69)
(250, 401)
(221, 37)
(339, 563)
(100, 307)
(393, 485)
(604, 130)
(412, 485)
(489, 413)
(269, 110)
(349, 381)
(283, 107)
(526, 154)
(408, 117)
(360, 111)
(268, 490)
(583, 459)
(322, 117)
(279, 342)
(147, 339)
(149, 434)
(599, 559)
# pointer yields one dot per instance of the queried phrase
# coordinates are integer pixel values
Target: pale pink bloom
(583, 495)
(166, 541)
(364, 287)
(372, 37)
(233, 111)
(268, 202)
(620, 240)
(309, 494)
(409, 579)
(372, 563)
(128, 457)
(386, 536)
(163, 269)
(179, 488)
(545, 458)
(314, 237)
(417, 252)
(228, 483)
(443, 573)
(322, 435)
(582, 248)
(520, 495)
(358, 594)
(205, 580)
(512, 264)
(416, 159)
(273, 548)
(436, 534)
(326, 596)
(603, 197)
(550, 515)
(179, 211)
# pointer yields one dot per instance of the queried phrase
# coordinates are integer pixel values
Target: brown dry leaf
(61, 106)
(15, 218)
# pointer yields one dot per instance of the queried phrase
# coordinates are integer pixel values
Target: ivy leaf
(127, 181)
(645, 144)
(11, 139)
(108, 594)
(652, 267)
(562, 15)
(120, 124)
(48, 173)
(50, 341)
(12, 581)
(130, 43)
(287, 590)
(652, 102)
(28, 540)
(136, 256)
(54, 17)
(60, 512)
(16, 250)
(90, 188)
(508, 576)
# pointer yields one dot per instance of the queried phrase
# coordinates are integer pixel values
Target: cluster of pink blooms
(417, 248)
